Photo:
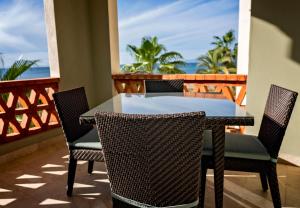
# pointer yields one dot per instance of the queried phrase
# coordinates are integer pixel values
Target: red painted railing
(221, 85)
(27, 108)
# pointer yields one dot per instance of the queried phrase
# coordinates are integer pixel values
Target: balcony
(30, 178)
(83, 50)
(27, 108)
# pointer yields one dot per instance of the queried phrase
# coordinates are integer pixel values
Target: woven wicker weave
(276, 117)
(153, 159)
(217, 125)
(70, 105)
(164, 85)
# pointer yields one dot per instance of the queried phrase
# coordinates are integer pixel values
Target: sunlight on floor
(52, 166)
(4, 190)
(53, 202)
(40, 180)
(4, 202)
(25, 176)
(80, 185)
(31, 185)
(90, 194)
(99, 172)
(62, 172)
(65, 157)
(102, 180)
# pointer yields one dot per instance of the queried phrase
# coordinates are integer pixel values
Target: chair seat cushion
(238, 146)
(88, 141)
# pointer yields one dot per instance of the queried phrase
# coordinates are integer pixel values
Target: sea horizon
(44, 72)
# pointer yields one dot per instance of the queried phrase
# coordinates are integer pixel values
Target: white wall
(244, 36)
(275, 59)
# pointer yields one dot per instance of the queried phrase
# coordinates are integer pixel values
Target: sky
(22, 31)
(186, 26)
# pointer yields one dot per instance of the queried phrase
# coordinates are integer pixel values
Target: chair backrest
(153, 159)
(276, 117)
(175, 85)
(70, 105)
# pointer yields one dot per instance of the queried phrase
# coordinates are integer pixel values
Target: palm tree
(16, 69)
(213, 62)
(221, 59)
(225, 41)
(151, 56)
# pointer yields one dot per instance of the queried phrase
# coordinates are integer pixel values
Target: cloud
(186, 25)
(22, 29)
(41, 56)
(177, 6)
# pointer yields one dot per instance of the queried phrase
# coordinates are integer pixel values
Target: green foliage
(222, 58)
(16, 69)
(151, 56)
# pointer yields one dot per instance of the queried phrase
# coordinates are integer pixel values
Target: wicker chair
(82, 140)
(175, 85)
(152, 160)
(257, 153)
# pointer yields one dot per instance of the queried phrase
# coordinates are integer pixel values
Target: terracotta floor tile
(241, 189)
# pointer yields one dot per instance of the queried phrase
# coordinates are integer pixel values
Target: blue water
(44, 72)
(35, 72)
(190, 68)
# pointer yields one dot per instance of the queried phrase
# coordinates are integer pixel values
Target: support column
(244, 36)
(83, 45)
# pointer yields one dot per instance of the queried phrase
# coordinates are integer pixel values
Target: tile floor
(39, 179)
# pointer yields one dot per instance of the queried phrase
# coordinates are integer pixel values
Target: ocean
(44, 72)
(35, 72)
(190, 68)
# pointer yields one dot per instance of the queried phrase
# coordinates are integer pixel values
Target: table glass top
(168, 103)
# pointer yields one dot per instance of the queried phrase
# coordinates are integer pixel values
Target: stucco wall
(82, 34)
(275, 59)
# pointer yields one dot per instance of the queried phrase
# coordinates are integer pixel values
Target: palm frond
(203, 71)
(170, 57)
(17, 68)
(150, 55)
(133, 50)
(170, 69)
(232, 70)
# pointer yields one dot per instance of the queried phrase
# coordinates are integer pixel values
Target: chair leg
(202, 186)
(120, 204)
(273, 183)
(90, 166)
(71, 175)
(263, 180)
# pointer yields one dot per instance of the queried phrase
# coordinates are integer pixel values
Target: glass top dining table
(219, 113)
(166, 103)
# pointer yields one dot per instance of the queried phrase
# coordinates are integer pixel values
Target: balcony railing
(27, 108)
(213, 85)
